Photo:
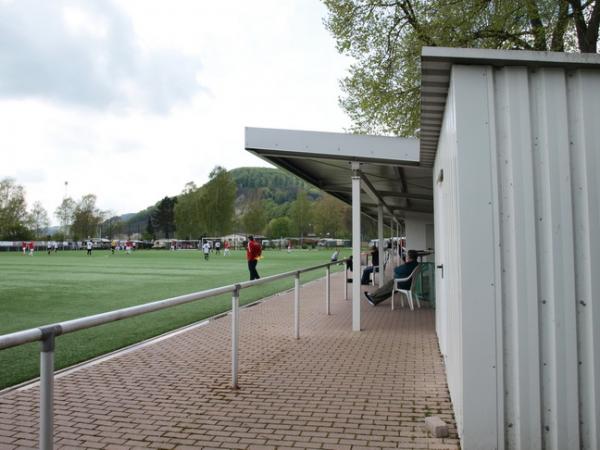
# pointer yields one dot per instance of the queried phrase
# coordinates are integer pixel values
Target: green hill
(273, 184)
(276, 187)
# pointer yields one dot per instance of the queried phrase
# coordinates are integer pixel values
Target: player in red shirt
(253, 252)
(226, 248)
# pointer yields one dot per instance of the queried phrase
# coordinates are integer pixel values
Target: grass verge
(44, 289)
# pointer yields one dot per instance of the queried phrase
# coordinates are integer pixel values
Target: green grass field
(44, 289)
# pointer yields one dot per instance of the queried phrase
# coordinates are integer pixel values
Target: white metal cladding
(533, 133)
(448, 294)
(469, 268)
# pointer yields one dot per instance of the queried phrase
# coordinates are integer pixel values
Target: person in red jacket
(253, 252)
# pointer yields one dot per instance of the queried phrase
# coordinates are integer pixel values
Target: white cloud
(86, 54)
(81, 105)
(81, 23)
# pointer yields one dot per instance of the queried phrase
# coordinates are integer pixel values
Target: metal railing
(47, 334)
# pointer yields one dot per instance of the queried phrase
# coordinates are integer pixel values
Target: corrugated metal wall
(548, 163)
(542, 132)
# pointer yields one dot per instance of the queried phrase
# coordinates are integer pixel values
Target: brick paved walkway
(332, 389)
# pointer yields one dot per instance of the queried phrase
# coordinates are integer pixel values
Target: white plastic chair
(407, 292)
(372, 276)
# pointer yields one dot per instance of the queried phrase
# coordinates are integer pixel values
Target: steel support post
(345, 281)
(327, 291)
(235, 336)
(399, 249)
(297, 306)
(391, 249)
(381, 243)
(47, 392)
(356, 238)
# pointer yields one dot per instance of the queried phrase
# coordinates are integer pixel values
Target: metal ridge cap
(498, 57)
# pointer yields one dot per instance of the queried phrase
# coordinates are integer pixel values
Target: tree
(218, 199)
(586, 16)
(328, 216)
(381, 93)
(58, 236)
(163, 216)
(279, 227)
(149, 234)
(38, 219)
(64, 214)
(86, 217)
(300, 214)
(112, 226)
(208, 209)
(254, 219)
(188, 214)
(13, 211)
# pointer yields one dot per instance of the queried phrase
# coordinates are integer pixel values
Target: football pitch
(43, 289)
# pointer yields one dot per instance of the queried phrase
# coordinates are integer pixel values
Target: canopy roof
(389, 167)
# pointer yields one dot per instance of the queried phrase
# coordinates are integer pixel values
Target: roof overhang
(437, 62)
(389, 167)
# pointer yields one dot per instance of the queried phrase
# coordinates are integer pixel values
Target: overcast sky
(131, 99)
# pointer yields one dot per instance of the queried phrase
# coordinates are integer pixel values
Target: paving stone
(331, 389)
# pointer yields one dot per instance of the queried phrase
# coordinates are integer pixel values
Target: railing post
(327, 291)
(47, 386)
(345, 280)
(235, 334)
(297, 305)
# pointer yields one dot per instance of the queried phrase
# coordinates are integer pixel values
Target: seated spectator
(374, 267)
(335, 255)
(401, 271)
(349, 267)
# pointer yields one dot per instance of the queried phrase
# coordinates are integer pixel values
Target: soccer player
(89, 245)
(226, 248)
(206, 250)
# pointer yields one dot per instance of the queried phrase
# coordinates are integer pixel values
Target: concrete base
(436, 426)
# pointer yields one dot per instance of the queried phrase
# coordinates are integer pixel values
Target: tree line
(245, 200)
(18, 223)
(239, 201)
